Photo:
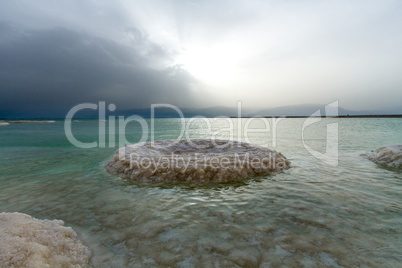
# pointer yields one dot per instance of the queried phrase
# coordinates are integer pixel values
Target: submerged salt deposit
(194, 160)
(390, 156)
(29, 242)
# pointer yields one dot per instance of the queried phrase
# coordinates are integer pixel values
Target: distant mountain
(302, 110)
(187, 112)
(294, 110)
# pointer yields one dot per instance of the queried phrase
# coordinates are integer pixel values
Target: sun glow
(212, 65)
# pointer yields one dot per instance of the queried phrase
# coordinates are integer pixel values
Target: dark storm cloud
(55, 69)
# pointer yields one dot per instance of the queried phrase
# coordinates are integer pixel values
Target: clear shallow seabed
(310, 215)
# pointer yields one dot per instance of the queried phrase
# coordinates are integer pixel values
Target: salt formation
(194, 160)
(29, 242)
(390, 156)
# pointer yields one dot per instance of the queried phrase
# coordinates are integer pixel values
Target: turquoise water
(312, 215)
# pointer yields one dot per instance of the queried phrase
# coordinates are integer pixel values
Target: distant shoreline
(338, 116)
(26, 121)
(53, 120)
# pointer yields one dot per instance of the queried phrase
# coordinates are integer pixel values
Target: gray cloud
(55, 54)
(57, 68)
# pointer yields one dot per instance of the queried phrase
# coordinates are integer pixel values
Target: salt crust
(198, 160)
(390, 156)
(29, 242)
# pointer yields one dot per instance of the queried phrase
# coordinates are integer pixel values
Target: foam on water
(390, 156)
(194, 160)
(3, 123)
(29, 242)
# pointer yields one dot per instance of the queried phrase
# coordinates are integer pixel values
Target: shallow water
(311, 215)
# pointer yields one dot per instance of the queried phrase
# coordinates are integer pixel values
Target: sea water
(314, 214)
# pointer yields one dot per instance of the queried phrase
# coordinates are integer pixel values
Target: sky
(196, 54)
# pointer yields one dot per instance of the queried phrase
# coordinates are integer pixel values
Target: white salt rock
(194, 160)
(390, 156)
(29, 242)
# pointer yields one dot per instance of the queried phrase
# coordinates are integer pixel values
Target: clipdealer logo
(239, 131)
(330, 156)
